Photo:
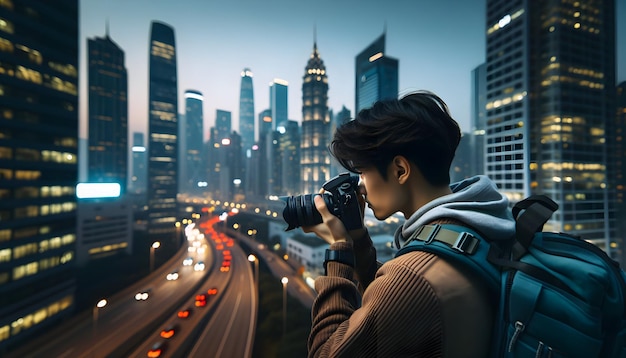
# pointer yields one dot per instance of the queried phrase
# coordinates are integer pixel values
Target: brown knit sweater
(415, 305)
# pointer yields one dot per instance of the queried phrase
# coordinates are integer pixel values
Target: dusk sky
(437, 43)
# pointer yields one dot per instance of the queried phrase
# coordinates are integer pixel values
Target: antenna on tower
(106, 31)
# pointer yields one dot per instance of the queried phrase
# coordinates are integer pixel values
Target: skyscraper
(246, 110)
(340, 118)
(195, 171)
(263, 153)
(376, 76)
(265, 123)
(477, 135)
(38, 166)
(314, 156)
(223, 124)
(550, 80)
(138, 181)
(289, 144)
(278, 102)
(619, 174)
(163, 135)
(108, 113)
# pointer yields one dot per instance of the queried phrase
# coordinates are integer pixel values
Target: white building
(309, 250)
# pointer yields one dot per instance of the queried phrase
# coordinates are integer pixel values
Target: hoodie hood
(475, 202)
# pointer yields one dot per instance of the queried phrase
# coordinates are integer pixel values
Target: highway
(224, 327)
(220, 300)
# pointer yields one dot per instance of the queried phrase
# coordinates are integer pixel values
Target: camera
(341, 198)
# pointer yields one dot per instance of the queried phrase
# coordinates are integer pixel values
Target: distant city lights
(504, 21)
(194, 96)
(376, 56)
(97, 190)
(139, 149)
(280, 82)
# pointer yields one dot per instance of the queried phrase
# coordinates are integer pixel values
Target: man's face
(380, 195)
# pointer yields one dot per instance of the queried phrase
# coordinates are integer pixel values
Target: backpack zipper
(519, 327)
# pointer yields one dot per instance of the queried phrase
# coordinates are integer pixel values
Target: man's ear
(401, 168)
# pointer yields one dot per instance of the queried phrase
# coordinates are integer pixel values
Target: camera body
(341, 198)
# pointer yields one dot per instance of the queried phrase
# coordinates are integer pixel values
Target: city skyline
(215, 42)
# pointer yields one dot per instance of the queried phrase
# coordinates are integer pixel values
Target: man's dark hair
(418, 126)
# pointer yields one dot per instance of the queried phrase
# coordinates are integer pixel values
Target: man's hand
(331, 229)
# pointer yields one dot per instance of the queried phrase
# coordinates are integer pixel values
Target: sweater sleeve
(398, 314)
(366, 264)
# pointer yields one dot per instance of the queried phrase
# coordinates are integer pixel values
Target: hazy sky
(438, 44)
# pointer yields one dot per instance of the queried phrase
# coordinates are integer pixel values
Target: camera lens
(300, 211)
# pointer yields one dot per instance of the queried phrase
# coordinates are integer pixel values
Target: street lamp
(284, 281)
(255, 259)
(178, 225)
(96, 308)
(155, 245)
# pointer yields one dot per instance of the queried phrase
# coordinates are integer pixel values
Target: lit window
(6, 26)
(5, 255)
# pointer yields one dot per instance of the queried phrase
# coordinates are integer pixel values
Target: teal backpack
(560, 296)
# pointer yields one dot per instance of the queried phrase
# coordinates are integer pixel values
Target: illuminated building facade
(194, 168)
(265, 123)
(38, 166)
(477, 121)
(104, 223)
(618, 174)
(279, 102)
(340, 118)
(550, 80)
(289, 143)
(163, 135)
(246, 109)
(139, 173)
(260, 187)
(376, 76)
(108, 113)
(314, 156)
(223, 124)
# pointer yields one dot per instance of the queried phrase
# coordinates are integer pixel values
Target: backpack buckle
(465, 243)
(433, 233)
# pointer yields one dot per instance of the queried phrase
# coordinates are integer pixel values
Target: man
(417, 304)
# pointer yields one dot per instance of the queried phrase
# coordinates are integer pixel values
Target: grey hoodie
(475, 201)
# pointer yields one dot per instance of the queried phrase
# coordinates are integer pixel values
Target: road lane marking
(230, 324)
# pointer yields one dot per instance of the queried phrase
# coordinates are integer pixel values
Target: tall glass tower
(108, 113)
(340, 118)
(223, 123)
(376, 75)
(195, 171)
(550, 87)
(163, 135)
(314, 156)
(246, 110)
(38, 166)
(289, 143)
(138, 180)
(278, 102)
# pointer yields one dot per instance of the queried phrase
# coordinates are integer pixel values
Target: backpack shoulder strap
(457, 244)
